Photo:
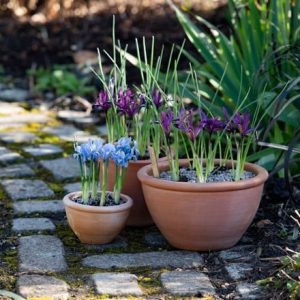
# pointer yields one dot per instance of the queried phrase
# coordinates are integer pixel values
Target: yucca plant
(258, 61)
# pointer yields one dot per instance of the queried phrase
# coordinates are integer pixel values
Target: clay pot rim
(98, 209)
(145, 176)
(145, 161)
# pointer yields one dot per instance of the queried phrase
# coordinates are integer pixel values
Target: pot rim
(145, 176)
(143, 161)
(97, 209)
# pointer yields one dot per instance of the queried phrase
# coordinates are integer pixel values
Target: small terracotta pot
(96, 224)
(202, 216)
(139, 214)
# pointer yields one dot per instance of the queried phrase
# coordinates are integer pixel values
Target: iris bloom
(211, 124)
(102, 102)
(186, 124)
(157, 98)
(166, 121)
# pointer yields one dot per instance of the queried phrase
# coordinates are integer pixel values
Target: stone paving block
(116, 284)
(43, 149)
(164, 259)
(238, 271)
(25, 119)
(19, 189)
(7, 155)
(72, 187)
(14, 95)
(250, 291)
(69, 133)
(11, 108)
(241, 253)
(28, 207)
(102, 130)
(10, 126)
(31, 286)
(187, 283)
(155, 239)
(19, 170)
(17, 137)
(41, 253)
(118, 242)
(32, 224)
(78, 117)
(62, 168)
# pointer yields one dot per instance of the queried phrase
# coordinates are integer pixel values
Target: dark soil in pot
(109, 200)
(219, 174)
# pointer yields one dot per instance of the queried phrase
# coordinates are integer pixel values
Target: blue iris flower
(120, 159)
(88, 151)
(106, 151)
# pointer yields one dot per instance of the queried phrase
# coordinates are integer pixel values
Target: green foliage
(252, 55)
(287, 278)
(61, 80)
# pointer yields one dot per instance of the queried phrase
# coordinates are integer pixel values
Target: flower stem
(104, 167)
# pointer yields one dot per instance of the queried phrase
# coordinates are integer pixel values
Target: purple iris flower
(186, 124)
(128, 104)
(166, 121)
(157, 98)
(102, 102)
(242, 122)
(229, 123)
(211, 124)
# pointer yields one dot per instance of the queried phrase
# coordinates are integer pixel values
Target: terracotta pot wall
(203, 216)
(96, 225)
(139, 215)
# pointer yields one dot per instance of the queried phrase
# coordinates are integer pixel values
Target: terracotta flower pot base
(202, 216)
(96, 224)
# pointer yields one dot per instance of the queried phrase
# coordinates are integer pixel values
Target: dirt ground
(43, 38)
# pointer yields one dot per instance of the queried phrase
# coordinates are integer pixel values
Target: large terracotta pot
(96, 224)
(139, 214)
(202, 216)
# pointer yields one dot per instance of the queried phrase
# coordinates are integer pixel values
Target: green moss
(11, 258)
(57, 187)
(150, 282)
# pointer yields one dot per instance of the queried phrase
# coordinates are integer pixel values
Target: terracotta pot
(202, 216)
(96, 224)
(139, 214)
